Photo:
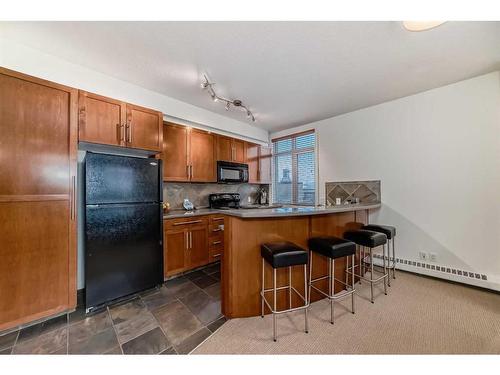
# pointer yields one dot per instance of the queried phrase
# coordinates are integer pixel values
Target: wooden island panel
(242, 262)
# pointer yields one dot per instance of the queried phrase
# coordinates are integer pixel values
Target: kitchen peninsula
(246, 230)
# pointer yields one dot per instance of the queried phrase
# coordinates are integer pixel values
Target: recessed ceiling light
(421, 25)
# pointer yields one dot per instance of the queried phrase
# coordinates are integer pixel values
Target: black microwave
(228, 172)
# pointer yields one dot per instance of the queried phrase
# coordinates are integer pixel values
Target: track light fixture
(207, 85)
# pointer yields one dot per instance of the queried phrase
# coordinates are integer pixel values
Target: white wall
(437, 154)
(28, 60)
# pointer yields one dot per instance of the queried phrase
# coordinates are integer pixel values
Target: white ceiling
(288, 73)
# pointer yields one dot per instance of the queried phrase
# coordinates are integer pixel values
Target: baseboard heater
(434, 267)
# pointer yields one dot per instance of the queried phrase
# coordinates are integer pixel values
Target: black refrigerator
(123, 227)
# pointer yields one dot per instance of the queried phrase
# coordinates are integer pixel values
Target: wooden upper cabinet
(265, 159)
(175, 153)
(230, 149)
(202, 156)
(239, 150)
(252, 152)
(188, 154)
(144, 128)
(108, 121)
(101, 120)
(224, 148)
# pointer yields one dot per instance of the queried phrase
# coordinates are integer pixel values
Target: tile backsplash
(365, 191)
(175, 192)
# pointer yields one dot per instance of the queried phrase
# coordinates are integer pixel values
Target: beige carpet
(420, 315)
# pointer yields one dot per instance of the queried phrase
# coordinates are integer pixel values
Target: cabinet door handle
(216, 255)
(190, 240)
(188, 171)
(187, 240)
(188, 222)
(73, 198)
(130, 131)
(216, 242)
(191, 170)
(216, 230)
(217, 218)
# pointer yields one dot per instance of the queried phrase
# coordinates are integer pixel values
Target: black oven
(228, 172)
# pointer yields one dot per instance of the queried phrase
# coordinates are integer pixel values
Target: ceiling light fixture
(421, 25)
(207, 85)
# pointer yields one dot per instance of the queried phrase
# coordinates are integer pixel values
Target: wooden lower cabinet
(187, 243)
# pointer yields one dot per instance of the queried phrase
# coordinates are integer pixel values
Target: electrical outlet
(422, 255)
(433, 257)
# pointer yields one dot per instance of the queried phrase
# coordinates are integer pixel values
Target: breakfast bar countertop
(285, 211)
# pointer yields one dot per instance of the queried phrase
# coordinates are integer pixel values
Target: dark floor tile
(156, 300)
(214, 326)
(216, 275)
(212, 269)
(206, 309)
(77, 315)
(194, 274)
(177, 321)
(8, 340)
(99, 343)
(62, 351)
(135, 327)
(178, 288)
(115, 351)
(152, 342)
(204, 281)
(169, 351)
(33, 331)
(88, 327)
(149, 292)
(214, 290)
(46, 343)
(5, 351)
(193, 341)
(127, 310)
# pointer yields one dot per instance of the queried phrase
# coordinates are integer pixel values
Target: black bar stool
(279, 255)
(332, 248)
(368, 239)
(390, 232)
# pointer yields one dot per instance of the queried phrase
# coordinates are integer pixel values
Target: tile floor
(173, 319)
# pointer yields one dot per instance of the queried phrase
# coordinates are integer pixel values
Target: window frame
(294, 153)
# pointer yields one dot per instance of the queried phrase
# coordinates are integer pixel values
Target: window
(295, 169)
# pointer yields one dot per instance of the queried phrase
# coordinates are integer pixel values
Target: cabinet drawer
(184, 222)
(215, 252)
(216, 230)
(217, 219)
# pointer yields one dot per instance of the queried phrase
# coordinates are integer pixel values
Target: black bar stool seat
(279, 255)
(332, 247)
(366, 238)
(283, 254)
(389, 231)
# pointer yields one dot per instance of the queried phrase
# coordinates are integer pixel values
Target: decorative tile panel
(364, 191)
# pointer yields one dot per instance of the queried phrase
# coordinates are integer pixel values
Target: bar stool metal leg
(371, 274)
(393, 259)
(352, 280)
(310, 275)
(275, 328)
(332, 287)
(388, 263)
(306, 299)
(289, 287)
(386, 275)
(358, 248)
(262, 299)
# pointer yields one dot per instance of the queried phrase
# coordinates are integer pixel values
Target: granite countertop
(273, 212)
